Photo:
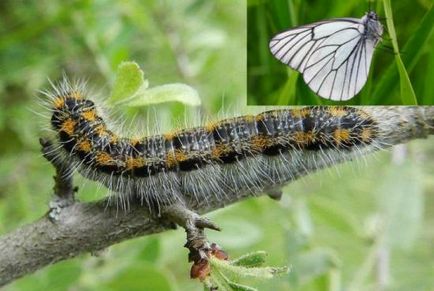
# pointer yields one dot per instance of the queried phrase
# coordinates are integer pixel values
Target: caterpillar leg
(64, 189)
(274, 193)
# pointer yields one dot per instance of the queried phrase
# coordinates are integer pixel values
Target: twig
(63, 185)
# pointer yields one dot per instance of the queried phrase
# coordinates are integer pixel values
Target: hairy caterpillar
(245, 155)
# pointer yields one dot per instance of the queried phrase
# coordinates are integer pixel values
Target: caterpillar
(245, 155)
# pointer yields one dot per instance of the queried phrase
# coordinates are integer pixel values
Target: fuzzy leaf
(129, 80)
(255, 259)
(256, 272)
(239, 287)
(166, 93)
(219, 281)
(222, 283)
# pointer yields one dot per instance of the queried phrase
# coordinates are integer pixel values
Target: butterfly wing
(333, 56)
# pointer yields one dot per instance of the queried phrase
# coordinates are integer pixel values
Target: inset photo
(340, 52)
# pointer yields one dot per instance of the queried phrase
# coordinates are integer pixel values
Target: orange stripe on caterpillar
(242, 154)
(226, 141)
(68, 126)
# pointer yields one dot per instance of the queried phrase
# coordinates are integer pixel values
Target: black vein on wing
(355, 56)
(334, 59)
(302, 47)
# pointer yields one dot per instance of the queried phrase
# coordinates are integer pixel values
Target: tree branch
(88, 227)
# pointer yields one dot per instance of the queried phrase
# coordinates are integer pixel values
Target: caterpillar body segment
(245, 155)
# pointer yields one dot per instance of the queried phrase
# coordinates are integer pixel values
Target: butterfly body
(373, 27)
(333, 55)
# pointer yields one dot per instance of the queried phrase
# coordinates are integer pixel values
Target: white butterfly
(333, 55)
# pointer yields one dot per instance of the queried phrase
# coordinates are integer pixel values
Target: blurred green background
(360, 226)
(272, 83)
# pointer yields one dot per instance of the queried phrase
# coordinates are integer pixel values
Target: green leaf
(254, 259)
(239, 287)
(165, 93)
(129, 80)
(233, 269)
(413, 51)
(407, 93)
(131, 89)
(219, 281)
(255, 272)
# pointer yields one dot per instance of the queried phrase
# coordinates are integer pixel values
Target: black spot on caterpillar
(245, 155)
